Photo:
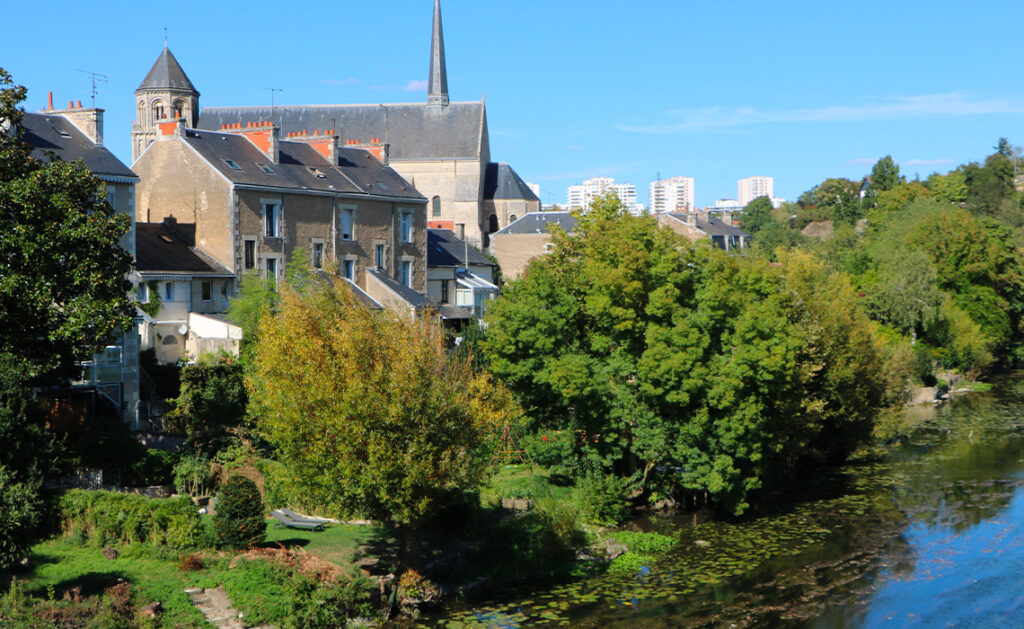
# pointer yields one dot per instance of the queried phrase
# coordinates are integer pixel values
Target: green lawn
(342, 544)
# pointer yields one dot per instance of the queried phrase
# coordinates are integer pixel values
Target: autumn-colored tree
(368, 410)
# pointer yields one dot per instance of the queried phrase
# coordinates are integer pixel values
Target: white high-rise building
(752, 187)
(672, 195)
(580, 196)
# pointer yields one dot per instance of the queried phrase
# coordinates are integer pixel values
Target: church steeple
(437, 87)
(165, 94)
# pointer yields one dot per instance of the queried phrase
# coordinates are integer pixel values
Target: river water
(930, 536)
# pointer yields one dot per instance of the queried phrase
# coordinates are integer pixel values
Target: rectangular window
(405, 226)
(168, 291)
(444, 292)
(250, 254)
(346, 224)
(318, 255)
(224, 289)
(272, 220)
(405, 273)
(378, 256)
(348, 269)
(272, 269)
(207, 290)
(142, 292)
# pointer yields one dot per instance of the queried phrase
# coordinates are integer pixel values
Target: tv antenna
(95, 77)
(272, 90)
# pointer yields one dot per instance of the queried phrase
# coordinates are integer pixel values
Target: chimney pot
(79, 104)
(49, 101)
(71, 104)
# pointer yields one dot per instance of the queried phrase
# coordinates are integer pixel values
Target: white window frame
(380, 255)
(168, 292)
(317, 242)
(142, 292)
(348, 267)
(255, 253)
(405, 271)
(278, 222)
(406, 232)
(278, 267)
(347, 212)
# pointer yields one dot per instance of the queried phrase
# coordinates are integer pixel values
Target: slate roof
(712, 226)
(414, 299)
(537, 223)
(166, 73)
(445, 249)
(414, 131)
(56, 134)
(299, 166)
(501, 182)
(167, 248)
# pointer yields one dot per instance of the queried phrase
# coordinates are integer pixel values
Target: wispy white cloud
(862, 160)
(899, 108)
(415, 86)
(347, 81)
(927, 162)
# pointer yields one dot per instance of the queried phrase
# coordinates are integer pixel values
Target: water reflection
(933, 536)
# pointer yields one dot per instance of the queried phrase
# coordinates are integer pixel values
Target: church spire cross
(437, 87)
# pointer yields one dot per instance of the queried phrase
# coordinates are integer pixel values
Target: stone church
(441, 147)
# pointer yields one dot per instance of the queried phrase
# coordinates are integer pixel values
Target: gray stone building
(441, 147)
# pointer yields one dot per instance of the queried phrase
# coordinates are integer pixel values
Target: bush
(192, 475)
(155, 467)
(603, 499)
(102, 518)
(212, 395)
(239, 522)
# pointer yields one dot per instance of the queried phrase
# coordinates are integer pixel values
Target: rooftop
(539, 222)
(51, 134)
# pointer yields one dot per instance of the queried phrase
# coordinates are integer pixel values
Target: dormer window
(266, 169)
(232, 165)
(317, 173)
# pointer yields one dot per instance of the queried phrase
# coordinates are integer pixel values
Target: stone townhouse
(251, 201)
(441, 147)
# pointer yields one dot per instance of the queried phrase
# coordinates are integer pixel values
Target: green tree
(240, 521)
(212, 395)
(368, 410)
(725, 369)
(63, 275)
(885, 175)
(26, 458)
(907, 296)
(949, 188)
(989, 185)
(757, 215)
(256, 297)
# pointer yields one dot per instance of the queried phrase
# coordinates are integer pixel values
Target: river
(930, 536)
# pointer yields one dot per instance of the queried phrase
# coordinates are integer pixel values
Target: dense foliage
(101, 518)
(25, 458)
(63, 274)
(212, 397)
(683, 367)
(239, 521)
(368, 411)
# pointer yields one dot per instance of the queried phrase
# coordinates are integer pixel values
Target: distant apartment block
(581, 196)
(752, 187)
(674, 194)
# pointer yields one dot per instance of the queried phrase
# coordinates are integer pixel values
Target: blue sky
(575, 89)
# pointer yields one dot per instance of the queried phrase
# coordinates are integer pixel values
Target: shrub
(191, 562)
(603, 499)
(155, 467)
(192, 475)
(212, 395)
(102, 518)
(239, 522)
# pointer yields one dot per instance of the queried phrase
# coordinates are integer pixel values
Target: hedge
(102, 518)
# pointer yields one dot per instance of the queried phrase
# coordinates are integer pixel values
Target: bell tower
(165, 94)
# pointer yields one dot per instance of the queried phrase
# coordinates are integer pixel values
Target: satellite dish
(183, 329)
